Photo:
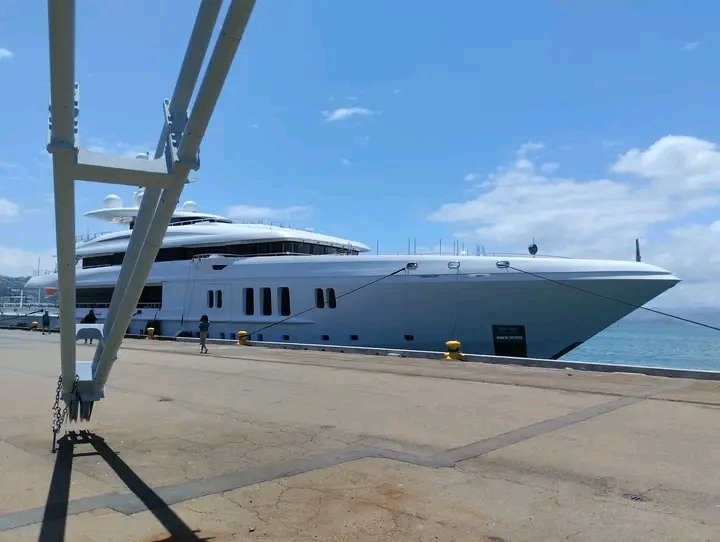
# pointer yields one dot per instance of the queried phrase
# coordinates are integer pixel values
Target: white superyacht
(290, 285)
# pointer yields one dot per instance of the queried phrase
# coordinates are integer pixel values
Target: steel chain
(58, 416)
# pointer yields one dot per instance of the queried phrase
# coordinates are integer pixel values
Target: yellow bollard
(34, 326)
(150, 333)
(454, 351)
(242, 337)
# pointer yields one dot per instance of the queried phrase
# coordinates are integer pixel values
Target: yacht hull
(439, 298)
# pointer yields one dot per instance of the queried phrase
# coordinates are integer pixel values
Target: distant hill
(8, 284)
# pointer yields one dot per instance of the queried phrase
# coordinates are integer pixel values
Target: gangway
(163, 176)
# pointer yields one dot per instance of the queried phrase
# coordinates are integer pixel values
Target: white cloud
(549, 167)
(8, 210)
(101, 146)
(347, 112)
(253, 213)
(397, 91)
(6, 54)
(471, 177)
(10, 166)
(15, 262)
(345, 162)
(680, 176)
(691, 46)
(364, 140)
(610, 143)
(529, 147)
(675, 162)
(352, 98)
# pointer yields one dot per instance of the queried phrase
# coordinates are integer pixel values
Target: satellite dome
(142, 156)
(139, 196)
(111, 201)
(191, 207)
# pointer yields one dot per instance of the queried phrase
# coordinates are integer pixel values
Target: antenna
(532, 249)
(637, 250)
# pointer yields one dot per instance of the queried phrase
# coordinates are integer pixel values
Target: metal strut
(164, 176)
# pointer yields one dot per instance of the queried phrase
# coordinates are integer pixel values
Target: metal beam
(164, 176)
(62, 144)
(194, 56)
(232, 31)
(65, 240)
(218, 67)
(120, 170)
(136, 283)
(186, 81)
(63, 107)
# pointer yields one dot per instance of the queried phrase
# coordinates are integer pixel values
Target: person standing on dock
(45, 322)
(89, 318)
(204, 327)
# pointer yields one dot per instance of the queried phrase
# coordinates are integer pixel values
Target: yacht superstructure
(290, 285)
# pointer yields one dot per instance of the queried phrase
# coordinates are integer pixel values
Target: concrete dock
(249, 443)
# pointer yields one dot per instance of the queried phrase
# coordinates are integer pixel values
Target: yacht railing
(107, 305)
(217, 255)
(15, 306)
(190, 221)
(89, 236)
(488, 254)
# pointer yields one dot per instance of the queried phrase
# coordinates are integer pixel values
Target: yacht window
(266, 300)
(354, 337)
(171, 254)
(211, 298)
(284, 295)
(151, 296)
(319, 298)
(103, 261)
(218, 298)
(249, 301)
(332, 303)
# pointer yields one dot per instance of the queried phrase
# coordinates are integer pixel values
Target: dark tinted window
(102, 296)
(171, 254)
(266, 300)
(249, 301)
(285, 301)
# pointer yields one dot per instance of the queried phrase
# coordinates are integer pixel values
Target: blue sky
(388, 120)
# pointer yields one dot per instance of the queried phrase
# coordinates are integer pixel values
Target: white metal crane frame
(163, 177)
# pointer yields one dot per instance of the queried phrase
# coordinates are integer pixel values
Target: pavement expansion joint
(144, 498)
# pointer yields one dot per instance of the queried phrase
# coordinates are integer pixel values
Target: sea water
(656, 343)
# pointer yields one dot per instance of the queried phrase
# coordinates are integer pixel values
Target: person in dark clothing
(204, 327)
(45, 322)
(89, 318)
